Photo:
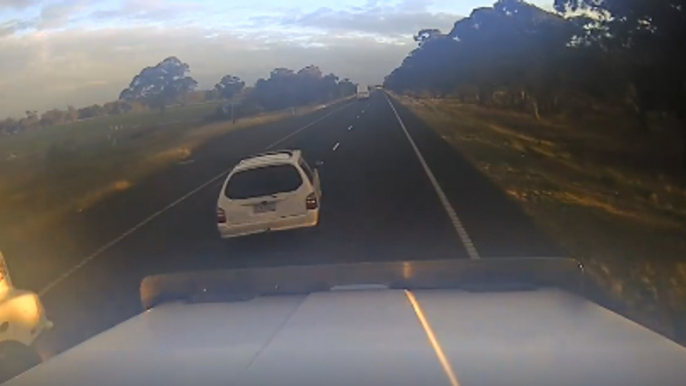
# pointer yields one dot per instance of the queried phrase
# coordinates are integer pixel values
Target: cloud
(401, 20)
(50, 16)
(56, 15)
(18, 4)
(12, 26)
(146, 10)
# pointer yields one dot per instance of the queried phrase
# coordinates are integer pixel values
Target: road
(392, 190)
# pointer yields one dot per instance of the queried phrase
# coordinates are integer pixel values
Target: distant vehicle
(362, 92)
(487, 322)
(272, 191)
(22, 320)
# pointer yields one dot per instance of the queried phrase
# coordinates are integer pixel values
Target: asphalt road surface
(392, 190)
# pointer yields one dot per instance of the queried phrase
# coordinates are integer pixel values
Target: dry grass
(66, 169)
(597, 186)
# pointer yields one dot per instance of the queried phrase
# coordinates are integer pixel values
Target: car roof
(269, 158)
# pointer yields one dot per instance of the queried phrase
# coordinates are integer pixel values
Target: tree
(647, 40)
(117, 107)
(329, 87)
(513, 48)
(311, 71)
(346, 88)
(160, 85)
(31, 119)
(309, 85)
(426, 34)
(72, 114)
(9, 126)
(229, 86)
(53, 117)
(286, 88)
(277, 92)
(91, 111)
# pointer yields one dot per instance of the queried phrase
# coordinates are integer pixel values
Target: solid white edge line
(335, 147)
(129, 232)
(459, 227)
(121, 237)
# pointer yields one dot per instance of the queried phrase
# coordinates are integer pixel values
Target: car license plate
(265, 207)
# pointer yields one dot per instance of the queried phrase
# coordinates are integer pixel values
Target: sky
(55, 53)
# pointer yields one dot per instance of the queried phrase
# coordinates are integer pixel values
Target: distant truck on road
(362, 92)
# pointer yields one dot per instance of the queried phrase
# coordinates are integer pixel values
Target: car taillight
(221, 216)
(311, 201)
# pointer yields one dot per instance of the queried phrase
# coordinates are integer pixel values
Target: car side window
(308, 171)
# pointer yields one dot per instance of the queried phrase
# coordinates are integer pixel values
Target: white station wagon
(269, 192)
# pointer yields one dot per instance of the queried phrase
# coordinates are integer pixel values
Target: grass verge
(601, 189)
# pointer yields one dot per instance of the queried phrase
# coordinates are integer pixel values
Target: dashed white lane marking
(459, 227)
(335, 147)
(350, 128)
(129, 232)
(304, 127)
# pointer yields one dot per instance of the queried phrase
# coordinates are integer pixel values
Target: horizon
(84, 52)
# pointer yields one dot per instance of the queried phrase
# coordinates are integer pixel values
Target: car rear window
(263, 181)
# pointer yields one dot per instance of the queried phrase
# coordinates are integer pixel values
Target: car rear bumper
(310, 219)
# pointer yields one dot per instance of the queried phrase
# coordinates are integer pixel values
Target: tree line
(589, 53)
(169, 83)
(54, 117)
(283, 89)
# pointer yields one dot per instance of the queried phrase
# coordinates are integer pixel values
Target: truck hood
(374, 337)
